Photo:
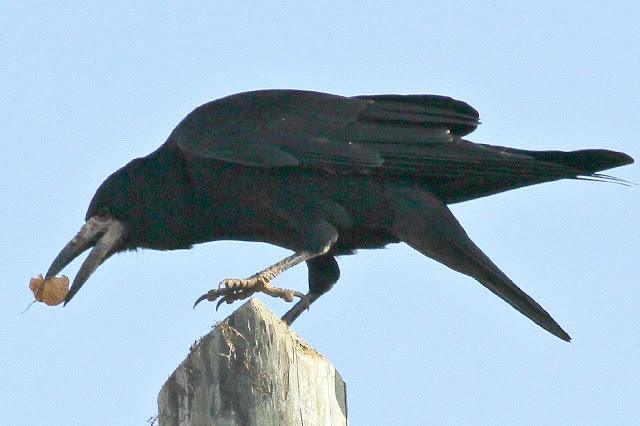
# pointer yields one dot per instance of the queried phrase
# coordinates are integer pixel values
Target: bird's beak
(103, 234)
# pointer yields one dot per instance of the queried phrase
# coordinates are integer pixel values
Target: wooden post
(252, 369)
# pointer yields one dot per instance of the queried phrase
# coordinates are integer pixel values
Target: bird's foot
(231, 289)
(302, 305)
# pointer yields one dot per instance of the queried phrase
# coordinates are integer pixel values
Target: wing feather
(417, 135)
(278, 128)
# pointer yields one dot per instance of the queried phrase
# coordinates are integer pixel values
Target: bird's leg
(232, 289)
(302, 305)
(323, 274)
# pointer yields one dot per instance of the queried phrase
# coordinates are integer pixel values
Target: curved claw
(234, 290)
(200, 299)
(220, 302)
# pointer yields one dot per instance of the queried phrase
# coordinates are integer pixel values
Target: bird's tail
(499, 169)
(582, 163)
(426, 224)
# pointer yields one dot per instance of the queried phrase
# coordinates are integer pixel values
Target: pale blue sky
(88, 86)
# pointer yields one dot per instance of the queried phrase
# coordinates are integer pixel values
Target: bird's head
(105, 232)
(134, 207)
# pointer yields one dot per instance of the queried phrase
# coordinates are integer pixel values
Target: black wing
(417, 135)
(275, 128)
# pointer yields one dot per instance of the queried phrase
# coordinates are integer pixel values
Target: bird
(321, 175)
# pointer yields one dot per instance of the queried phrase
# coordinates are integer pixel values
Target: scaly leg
(232, 289)
(319, 239)
(323, 274)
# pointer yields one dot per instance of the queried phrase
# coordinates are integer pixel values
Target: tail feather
(426, 224)
(585, 161)
(501, 169)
